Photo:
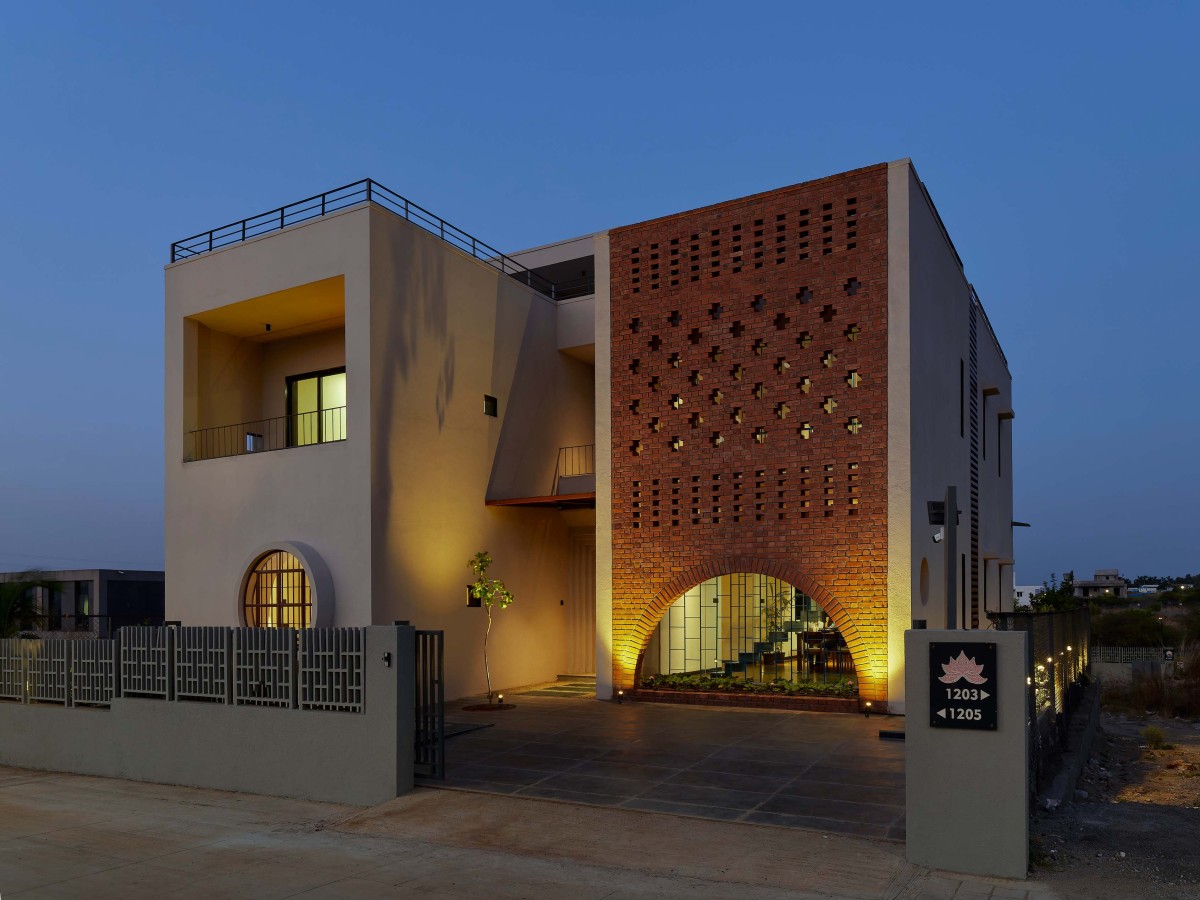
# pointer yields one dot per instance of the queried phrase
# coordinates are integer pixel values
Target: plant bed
(745, 699)
(835, 696)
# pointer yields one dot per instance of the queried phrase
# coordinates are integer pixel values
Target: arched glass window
(278, 594)
(751, 628)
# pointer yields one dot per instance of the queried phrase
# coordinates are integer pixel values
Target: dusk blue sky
(1060, 144)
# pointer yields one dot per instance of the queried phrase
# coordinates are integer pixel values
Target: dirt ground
(1136, 833)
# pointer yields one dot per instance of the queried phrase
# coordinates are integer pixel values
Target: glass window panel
(333, 390)
(305, 415)
(278, 593)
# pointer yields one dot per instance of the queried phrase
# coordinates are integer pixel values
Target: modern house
(92, 602)
(1105, 582)
(702, 443)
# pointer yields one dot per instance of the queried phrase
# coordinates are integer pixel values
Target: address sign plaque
(962, 685)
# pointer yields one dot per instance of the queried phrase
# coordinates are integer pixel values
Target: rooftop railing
(365, 191)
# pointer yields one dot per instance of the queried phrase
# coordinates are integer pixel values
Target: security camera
(939, 536)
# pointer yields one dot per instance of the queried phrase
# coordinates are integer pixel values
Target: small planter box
(757, 701)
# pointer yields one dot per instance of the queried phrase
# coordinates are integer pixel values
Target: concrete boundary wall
(361, 758)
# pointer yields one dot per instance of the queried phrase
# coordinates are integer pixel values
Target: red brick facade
(749, 407)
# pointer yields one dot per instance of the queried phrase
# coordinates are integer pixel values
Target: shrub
(840, 687)
(1128, 628)
(1154, 737)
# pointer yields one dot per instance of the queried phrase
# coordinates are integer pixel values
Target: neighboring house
(1144, 590)
(94, 602)
(699, 443)
(1105, 582)
(1024, 593)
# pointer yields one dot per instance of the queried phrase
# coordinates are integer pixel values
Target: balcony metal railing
(365, 191)
(262, 435)
(576, 287)
(573, 462)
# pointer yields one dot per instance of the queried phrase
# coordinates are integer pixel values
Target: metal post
(950, 529)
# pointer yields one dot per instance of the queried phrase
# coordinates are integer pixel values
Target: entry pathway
(824, 771)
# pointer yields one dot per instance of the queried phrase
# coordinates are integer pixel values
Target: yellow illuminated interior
(278, 593)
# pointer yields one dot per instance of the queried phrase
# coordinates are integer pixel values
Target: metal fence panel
(48, 663)
(264, 666)
(430, 743)
(331, 669)
(1127, 654)
(145, 661)
(12, 669)
(93, 664)
(1058, 671)
(202, 663)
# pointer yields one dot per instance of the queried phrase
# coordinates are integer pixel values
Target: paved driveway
(804, 770)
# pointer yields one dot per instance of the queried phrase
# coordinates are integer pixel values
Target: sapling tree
(491, 593)
(18, 605)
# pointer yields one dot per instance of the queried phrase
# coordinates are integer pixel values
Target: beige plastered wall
(995, 476)
(397, 509)
(929, 333)
(219, 511)
(603, 416)
(446, 330)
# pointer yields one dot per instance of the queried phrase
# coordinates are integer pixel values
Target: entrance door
(581, 602)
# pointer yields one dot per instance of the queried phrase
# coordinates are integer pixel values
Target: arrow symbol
(983, 695)
(942, 713)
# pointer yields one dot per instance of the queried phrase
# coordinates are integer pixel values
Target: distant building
(1106, 582)
(94, 602)
(1144, 590)
(1024, 593)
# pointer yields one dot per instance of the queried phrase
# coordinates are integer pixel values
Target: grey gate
(429, 760)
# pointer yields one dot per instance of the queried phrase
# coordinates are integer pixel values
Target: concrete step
(587, 676)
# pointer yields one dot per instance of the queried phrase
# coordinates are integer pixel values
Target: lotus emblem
(961, 667)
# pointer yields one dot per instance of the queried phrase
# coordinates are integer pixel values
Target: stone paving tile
(815, 823)
(704, 796)
(627, 771)
(497, 775)
(546, 792)
(793, 769)
(519, 759)
(486, 787)
(762, 784)
(650, 804)
(841, 810)
(594, 784)
(851, 776)
(782, 772)
(806, 787)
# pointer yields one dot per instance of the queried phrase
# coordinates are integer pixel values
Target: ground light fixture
(867, 709)
(620, 697)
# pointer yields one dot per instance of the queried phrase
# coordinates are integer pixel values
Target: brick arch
(869, 662)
